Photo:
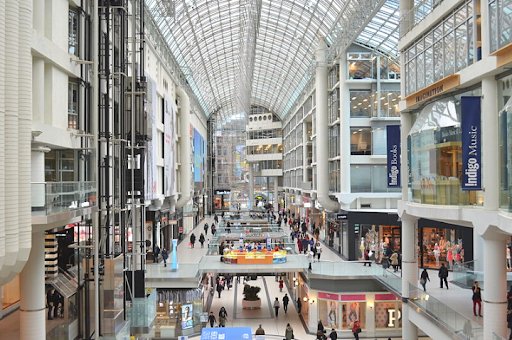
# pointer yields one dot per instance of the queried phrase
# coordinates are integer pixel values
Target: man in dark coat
(443, 275)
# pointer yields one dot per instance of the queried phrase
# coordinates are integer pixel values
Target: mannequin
(449, 255)
(361, 248)
(437, 252)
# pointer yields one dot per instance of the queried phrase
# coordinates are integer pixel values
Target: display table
(255, 257)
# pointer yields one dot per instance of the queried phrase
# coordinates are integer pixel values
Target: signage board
(222, 192)
(471, 143)
(393, 155)
(226, 333)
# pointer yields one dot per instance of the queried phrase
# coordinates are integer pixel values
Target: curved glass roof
(261, 52)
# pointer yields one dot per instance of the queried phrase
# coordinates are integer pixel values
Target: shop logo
(394, 315)
(471, 155)
(393, 155)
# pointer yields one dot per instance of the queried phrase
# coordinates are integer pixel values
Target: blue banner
(393, 155)
(471, 150)
(226, 333)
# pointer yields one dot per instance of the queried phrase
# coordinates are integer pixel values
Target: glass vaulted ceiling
(213, 45)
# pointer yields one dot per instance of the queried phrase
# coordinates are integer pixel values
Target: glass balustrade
(56, 197)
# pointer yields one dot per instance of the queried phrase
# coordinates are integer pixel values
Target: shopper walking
(366, 256)
(286, 300)
(477, 299)
(206, 228)
(277, 305)
(424, 278)
(192, 240)
(318, 248)
(219, 288)
(201, 240)
(443, 275)
(260, 331)
(165, 255)
(157, 253)
(288, 334)
(211, 319)
(299, 305)
(281, 285)
(333, 335)
(356, 329)
(223, 317)
(394, 261)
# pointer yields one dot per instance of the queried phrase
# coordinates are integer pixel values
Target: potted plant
(251, 299)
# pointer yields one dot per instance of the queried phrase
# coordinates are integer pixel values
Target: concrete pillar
(484, 30)
(276, 196)
(495, 290)
(322, 130)
(344, 127)
(407, 16)
(32, 304)
(304, 152)
(490, 144)
(409, 270)
(39, 14)
(251, 188)
(38, 88)
(405, 127)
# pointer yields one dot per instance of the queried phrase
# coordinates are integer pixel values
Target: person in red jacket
(356, 329)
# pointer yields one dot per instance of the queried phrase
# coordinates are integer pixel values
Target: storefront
(178, 312)
(337, 233)
(221, 199)
(442, 242)
(378, 313)
(359, 230)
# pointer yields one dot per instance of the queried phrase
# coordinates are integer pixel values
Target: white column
(405, 127)
(38, 15)
(276, 195)
(484, 30)
(322, 130)
(409, 270)
(407, 16)
(490, 144)
(304, 152)
(32, 305)
(494, 294)
(344, 127)
(251, 187)
(38, 88)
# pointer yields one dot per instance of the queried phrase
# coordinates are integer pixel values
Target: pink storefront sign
(328, 296)
(385, 297)
(353, 297)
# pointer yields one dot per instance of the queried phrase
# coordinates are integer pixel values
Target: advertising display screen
(186, 316)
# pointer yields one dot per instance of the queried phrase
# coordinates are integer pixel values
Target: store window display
(381, 240)
(352, 311)
(441, 245)
(328, 312)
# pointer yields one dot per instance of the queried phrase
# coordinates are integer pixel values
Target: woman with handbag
(424, 278)
(356, 329)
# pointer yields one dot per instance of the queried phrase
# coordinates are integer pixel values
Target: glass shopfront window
(440, 245)
(381, 240)
(352, 311)
(330, 313)
(505, 142)
(361, 103)
(435, 157)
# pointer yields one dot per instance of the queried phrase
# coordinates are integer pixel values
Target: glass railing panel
(55, 197)
(443, 314)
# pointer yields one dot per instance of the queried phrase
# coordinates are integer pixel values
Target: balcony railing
(56, 197)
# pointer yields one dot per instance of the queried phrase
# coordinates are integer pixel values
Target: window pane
(360, 141)
(360, 103)
(379, 141)
(359, 178)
